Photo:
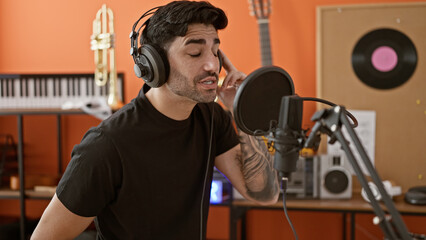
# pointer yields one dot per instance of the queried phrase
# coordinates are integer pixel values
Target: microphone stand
(330, 121)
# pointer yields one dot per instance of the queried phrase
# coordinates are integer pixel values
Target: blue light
(216, 192)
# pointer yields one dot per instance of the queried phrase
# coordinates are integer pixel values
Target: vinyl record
(384, 58)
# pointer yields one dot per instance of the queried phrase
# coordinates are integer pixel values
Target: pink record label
(384, 59)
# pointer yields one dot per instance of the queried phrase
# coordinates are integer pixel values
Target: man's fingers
(226, 63)
(233, 79)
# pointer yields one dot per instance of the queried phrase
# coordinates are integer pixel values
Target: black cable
(318, 100)
(284, 181)
(206, 175)
(273, 124)
(354, 121)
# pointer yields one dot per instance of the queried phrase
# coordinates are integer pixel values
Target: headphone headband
(134, 35)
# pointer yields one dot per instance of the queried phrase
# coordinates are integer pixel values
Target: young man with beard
(146, 172)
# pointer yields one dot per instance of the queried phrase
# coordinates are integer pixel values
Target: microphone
(289, 137)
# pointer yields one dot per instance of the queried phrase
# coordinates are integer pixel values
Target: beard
(181, 86)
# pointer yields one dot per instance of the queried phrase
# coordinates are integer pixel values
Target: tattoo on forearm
(257, 167)
(253, 158)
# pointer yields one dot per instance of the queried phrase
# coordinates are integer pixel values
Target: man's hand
(230, 84)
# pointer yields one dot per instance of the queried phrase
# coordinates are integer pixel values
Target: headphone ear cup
(153, 66)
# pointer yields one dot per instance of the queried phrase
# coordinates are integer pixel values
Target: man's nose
(211, 63)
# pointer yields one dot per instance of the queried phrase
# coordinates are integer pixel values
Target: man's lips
(209, 82)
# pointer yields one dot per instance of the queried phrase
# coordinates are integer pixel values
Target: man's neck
(170, 104)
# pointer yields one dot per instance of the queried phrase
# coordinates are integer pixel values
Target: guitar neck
(265, 42)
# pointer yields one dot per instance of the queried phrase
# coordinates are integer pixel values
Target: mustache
(207, 74)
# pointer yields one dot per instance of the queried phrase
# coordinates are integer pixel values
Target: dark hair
(172, 20)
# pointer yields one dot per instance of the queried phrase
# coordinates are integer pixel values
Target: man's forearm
(257, 167)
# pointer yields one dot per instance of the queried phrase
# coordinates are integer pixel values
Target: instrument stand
(330, 121)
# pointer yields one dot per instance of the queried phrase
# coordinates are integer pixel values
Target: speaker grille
(336, 181)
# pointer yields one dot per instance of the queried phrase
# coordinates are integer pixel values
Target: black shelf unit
(23, 194)
(8, 155)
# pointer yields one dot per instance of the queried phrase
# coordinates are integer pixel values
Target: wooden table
(344, 206)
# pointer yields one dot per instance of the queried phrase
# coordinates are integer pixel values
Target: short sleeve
(93, 176)
(226, 134)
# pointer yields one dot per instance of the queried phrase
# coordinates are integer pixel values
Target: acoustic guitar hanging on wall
(261, 9)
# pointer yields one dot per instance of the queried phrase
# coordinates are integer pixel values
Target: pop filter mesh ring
(258, 99)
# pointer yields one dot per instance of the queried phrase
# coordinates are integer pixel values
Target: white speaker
(335, 177)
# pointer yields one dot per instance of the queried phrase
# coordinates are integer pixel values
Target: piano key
(50, 99)
(72, 87)
(2, 87)
(64, 89)
(30, 97)
(40, 87)
(59, 87)
(4, 91)
(54, 90)
(22, 87)
(27, 94)
(69, 90)
(30, 100)
(8, 93)
(83, 88)
(79, 93)
(12, 83)
(45, 87)
(2, 103)
(98, 90)
(88, 87)
(75, 86)
(16, 90)
(44, 96)
(35, 87)
(92, 83)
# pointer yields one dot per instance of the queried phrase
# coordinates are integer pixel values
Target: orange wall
(48, 36)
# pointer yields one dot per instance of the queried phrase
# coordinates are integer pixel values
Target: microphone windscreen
(258, 99)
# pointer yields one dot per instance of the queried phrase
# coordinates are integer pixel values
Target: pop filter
(258, 99)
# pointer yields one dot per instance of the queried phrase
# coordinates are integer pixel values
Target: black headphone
(151, 63)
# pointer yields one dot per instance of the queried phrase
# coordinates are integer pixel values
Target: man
(145, 173)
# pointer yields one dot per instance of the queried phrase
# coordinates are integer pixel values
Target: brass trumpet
(102, 42)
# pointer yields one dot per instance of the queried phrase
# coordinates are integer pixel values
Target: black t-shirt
(142, 174)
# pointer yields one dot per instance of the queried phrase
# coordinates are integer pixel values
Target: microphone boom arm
(330, 122)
